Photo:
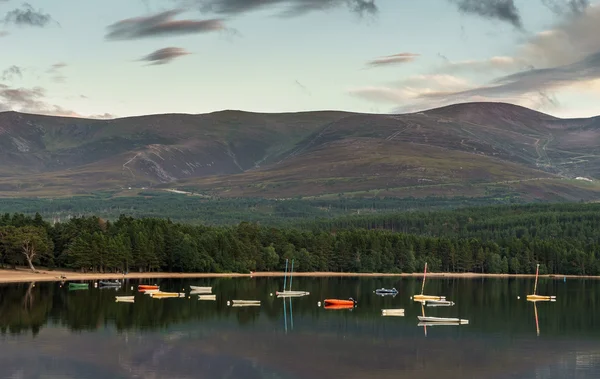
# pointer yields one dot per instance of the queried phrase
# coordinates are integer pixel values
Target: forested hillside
(563, 238)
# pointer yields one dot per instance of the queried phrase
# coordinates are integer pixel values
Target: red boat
(144, 287)
(337, 302)
(334, 307)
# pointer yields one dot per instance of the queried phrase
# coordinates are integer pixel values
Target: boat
(382, 291)
(124, 298)
(290, 293)
(147, 287)
(150, 292)
(160, 295)
(246, 305)
(350, 302)
(393, 312)
(103, 283)
(201, 289)
(428, 319)
(462, 322)
(439, 303)
(245, 302)
(79, 285)
(207, 297)
(423, 298)
(534, 296)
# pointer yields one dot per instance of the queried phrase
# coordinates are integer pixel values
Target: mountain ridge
(238, 153)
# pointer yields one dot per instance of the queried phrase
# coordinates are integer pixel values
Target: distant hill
(465, 149)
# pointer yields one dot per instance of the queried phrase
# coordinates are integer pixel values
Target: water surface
(48, 331)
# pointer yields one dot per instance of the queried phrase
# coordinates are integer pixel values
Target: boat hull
(349, 303)
(540, 298)
(441, 319)
(428, 297)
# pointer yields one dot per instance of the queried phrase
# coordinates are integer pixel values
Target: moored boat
(439, 303)
(349, 302)
(160, 295)
(124, 298)
(106, 283)
(147, 287)
(427, 319)
(200, 289)
(78, 285)
(386, 291)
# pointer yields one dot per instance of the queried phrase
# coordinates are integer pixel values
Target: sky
(119, 58)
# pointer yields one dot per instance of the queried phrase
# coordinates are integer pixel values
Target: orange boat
(339, 306)
(349, 303)
(143, 287)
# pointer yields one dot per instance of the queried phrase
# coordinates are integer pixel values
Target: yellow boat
(161, 295)
(534, 296)
(422, 298)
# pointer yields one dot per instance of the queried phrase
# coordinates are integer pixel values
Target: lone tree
(30, 242)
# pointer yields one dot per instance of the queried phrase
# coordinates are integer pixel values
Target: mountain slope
(466, 149)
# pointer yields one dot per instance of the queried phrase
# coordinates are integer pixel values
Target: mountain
(465, 149)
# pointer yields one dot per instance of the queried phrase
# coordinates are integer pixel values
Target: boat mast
(424, 274)
(285, 275)
(291, 276)
(537, 271)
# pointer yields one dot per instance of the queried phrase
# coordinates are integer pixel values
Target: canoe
(207, 297)
(462, 322)
(246, 305)
(201, 289)
(441, 319)
(428, 297)
(540, 298)
(338, 306)
(439, 303)
(147, 287)
(109, 284)
(349, 302)
(124, 298)
(291, 293)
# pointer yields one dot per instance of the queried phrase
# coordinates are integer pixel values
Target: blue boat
(386, 291)
(116, 283)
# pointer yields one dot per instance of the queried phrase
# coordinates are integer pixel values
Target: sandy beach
(26, 275)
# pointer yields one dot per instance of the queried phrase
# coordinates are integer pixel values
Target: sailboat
(535, 296)
(426, 321)
(422, 297)
(290, 293)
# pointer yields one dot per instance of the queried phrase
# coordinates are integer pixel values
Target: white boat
(463, 322)
(439, 303)
(201, 289)
(442, 319)
(124, 298)
(393, 312)
(150, 292)
(207, 297)
(291, 293)
(245, 302)
(245, 305)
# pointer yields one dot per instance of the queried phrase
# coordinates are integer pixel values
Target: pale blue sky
(311, 61)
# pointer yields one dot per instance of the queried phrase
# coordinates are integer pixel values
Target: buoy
(411, 297)
(228, 303)
(518, 297)
(271, 294)
(132, 288)
(319, 303)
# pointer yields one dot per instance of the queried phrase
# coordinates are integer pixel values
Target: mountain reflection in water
(48, 331)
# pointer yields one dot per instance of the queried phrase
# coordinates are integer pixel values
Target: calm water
(51, 332)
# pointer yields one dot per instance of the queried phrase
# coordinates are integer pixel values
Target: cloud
(158, 25)
(293, 7)
(12, 72)
(166, 55)
(28, 16)
(3, 33)
(562, 7)
(498, 63)
(501, 10)
(393, 59)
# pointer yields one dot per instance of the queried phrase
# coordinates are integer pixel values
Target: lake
(48, 331)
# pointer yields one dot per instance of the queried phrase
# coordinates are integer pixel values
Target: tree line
(563, 239)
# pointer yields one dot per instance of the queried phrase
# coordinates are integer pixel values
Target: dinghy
(422, 297)
(143, 287)
(79, 286)
(534, 296)
(462, 322)
(338, 306)
(207, 297)
(349, 303)
(104, 283)
(427, 319)
(290, 293)
(393, 312)
(439, 303)
(386, 291)
(201, 289)
(245, 302)
(124, 298)
(161, 295)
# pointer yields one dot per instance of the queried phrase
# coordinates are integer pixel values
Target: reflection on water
(49, 331)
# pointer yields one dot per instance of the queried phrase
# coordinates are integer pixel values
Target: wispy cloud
(291, 7)
(11, 73)
(501, 10)
(562, 7)
(393, 59)
(159, 25)
(498, 63)
(28, 16)
(165, 55)
(3, 33)
(56, 71)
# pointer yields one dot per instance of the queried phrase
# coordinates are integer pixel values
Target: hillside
(466, 149)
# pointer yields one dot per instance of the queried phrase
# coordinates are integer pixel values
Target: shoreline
(25, 275)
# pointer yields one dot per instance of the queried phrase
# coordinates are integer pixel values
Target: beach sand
(42, 275)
